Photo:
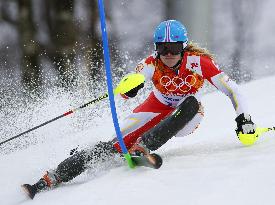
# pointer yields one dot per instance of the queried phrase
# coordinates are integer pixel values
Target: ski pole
(126, 84)
(261, 130)
(58, 117)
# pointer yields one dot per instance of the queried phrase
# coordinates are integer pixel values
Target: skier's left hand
(245, 124)
(133, 92)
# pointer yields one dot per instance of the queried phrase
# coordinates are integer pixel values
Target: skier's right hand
(133, 92)
(245, 124)
(246, 129)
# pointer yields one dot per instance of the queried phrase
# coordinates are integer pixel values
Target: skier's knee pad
(193, 124)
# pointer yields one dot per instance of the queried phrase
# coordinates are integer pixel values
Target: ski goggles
(174, 48)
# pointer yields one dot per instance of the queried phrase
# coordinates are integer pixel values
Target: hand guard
(246, 129)
(244, 124)
(133, 92)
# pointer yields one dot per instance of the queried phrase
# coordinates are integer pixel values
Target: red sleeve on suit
(209, 68)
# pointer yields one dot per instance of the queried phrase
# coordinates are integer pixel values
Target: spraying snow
(208, 167)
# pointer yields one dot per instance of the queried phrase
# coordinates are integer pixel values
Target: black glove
(74, 150)
(245, 124)
(133, 92)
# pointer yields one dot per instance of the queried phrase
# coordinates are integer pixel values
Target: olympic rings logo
(177, 83)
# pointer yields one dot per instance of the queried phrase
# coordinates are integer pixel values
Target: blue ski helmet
(171, 31)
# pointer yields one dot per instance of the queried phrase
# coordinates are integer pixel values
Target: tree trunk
(31, 75)
(90, 37)
(63, 37)
(243, 37)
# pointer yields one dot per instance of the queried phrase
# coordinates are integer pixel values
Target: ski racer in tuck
(178, 70)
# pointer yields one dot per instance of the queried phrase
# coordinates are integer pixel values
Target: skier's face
(170, 60)
(170, 53)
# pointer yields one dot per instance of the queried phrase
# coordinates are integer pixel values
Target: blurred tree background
(55, 42)
(50, 35)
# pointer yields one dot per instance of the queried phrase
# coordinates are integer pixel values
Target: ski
(150, 160)
(30, 190)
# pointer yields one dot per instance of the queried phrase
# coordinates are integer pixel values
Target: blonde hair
(195, 49)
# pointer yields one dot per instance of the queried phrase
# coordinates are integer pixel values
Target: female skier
(178, 70)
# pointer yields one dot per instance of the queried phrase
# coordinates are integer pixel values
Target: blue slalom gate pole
(109, 84)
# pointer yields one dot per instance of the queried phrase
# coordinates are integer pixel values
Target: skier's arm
(231, 89)
(223, 83)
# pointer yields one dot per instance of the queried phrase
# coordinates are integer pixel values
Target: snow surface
(208, 167)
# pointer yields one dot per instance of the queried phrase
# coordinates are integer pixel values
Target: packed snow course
(209, 167)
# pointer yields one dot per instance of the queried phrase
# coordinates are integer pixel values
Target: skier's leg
(156, 123)
(143, 118)
(75, 165)
(171, 125)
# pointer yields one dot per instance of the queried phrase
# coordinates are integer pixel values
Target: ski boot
(142, 157)
(48, 181)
